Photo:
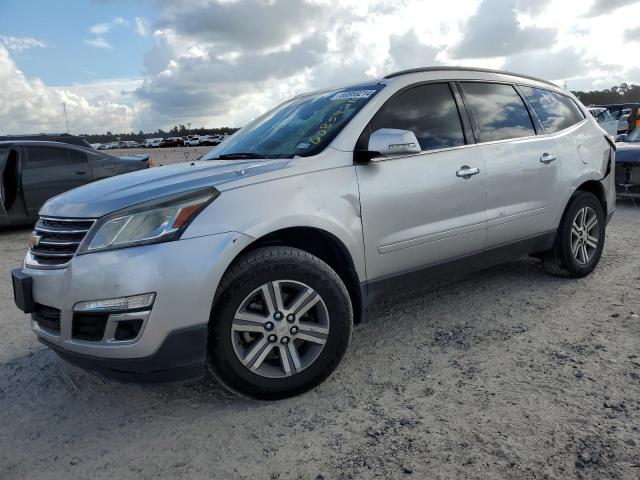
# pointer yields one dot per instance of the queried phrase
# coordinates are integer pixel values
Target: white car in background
(152, 142)
(605, 120)
(192, 140)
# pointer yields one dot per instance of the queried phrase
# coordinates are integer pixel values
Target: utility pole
(66, 121)
(188, 127)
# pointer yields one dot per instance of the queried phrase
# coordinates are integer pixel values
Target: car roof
(45, 143)
(466, 69)
(48, 137)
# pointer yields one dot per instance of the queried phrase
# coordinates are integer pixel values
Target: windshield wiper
(240, 155)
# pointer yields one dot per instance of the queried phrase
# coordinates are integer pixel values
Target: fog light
(122, 304)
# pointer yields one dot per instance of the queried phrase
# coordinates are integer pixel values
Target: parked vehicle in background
(628, 115)
(34, 171)
(96, 146)
(172, 142)
(192, 140)
(152, 142)
(257, 261)
(628, 164)
(49, 137)
(605, 120)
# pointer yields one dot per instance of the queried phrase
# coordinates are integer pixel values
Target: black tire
(560, 260)
(248, 273)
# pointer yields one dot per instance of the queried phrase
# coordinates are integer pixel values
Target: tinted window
(499, 111)
(47, 157)
(429, 111)
(77, 157)
(555, 111)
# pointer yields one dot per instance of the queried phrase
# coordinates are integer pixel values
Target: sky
(125, 65)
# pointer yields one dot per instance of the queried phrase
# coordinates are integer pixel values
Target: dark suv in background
(33, 171)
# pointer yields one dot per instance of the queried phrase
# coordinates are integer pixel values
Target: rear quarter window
(555, 111)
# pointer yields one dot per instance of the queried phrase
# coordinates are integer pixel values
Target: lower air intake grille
(89, 326)
(47, 318)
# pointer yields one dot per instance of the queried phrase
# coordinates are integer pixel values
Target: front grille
(56, 240)
(89, 326)
(47, 318)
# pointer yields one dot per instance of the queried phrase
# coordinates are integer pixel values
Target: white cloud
(603, 7)
(222, 62)
(98, 42)
(19, 44)
(29, 106)
(99, 30)
(142, 27)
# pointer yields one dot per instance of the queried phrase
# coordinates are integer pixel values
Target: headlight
(160, 220)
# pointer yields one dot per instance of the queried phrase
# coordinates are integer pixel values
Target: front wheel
(580, 238)
(280, 325)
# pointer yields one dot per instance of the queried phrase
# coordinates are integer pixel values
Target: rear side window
(429, 111)
(40, 157)
(499, 111)
(555, 111)
(77, 157)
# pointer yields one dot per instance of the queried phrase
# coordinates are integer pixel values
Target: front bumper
(181, 357)
(184, 275)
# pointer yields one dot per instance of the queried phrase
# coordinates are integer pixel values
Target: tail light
(151, 163)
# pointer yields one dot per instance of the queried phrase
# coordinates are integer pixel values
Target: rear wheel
(280, 324)
(580, 238)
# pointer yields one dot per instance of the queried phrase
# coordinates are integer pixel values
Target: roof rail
(466, 69)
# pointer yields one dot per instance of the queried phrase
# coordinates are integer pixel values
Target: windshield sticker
(302, 146)
(353, 94)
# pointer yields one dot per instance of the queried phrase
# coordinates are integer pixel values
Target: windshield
(301, 127)
(633, 136)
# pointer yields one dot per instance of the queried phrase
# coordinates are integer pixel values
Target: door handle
(467, 172)
(80, 172)
(547, 159)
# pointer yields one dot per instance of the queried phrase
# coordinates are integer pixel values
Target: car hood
(628, 152)
(105, 196)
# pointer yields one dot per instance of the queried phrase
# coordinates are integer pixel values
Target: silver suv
(255, 262)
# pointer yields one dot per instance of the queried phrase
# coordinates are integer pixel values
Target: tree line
(176, 131)
(623, 93)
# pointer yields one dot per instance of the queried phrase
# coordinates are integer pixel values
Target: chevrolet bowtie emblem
(34, 240)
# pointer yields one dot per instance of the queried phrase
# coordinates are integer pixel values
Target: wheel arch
(322, 244)
(595, 187)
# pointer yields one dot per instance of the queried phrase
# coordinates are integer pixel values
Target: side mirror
(392, 141)
(386, 142)
(621, 138)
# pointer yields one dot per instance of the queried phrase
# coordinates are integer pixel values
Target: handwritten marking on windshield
(325, 127)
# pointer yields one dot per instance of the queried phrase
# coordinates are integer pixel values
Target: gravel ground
(165, 156)
(507, 373)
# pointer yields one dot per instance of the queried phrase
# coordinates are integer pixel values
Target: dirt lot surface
(165, 156)
(507, 373)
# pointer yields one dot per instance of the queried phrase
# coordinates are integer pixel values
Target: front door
(50, 171)
(417, 210)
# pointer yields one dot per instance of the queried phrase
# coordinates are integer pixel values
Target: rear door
(523, 169)
(416, 210)
(50, 171)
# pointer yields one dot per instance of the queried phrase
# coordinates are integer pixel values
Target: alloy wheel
(585, 235)
(280, 328)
